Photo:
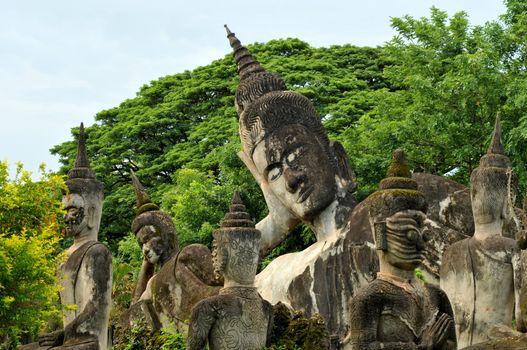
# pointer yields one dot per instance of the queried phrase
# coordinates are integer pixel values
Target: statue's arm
(97, 263)
(446, 308)
(279, 222)
(269, 311)
(520, 292)
(146, 273)
(201, 322)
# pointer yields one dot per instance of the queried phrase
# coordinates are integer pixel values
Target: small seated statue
(237, 318)
(86, 275)
(184, 277)
(398, 310)
(482, 274)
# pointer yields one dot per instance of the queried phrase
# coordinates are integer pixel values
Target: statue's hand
(51, 339)
(437, 334)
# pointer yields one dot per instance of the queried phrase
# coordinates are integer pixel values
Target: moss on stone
(295, 331)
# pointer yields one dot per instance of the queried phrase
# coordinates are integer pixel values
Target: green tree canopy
(452, 80)
(29, 247)
(180, 133)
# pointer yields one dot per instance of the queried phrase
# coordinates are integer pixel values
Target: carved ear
(343, 166)
(381, 242)
(91, 217)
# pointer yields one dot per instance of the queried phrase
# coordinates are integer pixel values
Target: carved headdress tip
(236, 198)
(495, 146)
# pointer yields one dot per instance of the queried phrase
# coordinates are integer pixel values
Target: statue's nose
(293, 179)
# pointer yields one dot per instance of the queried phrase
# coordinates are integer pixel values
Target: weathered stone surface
(282, 139)
(86, 275)
(482, 274)
(517, 342)
(184, 278)
(397, 310)
(237, 318)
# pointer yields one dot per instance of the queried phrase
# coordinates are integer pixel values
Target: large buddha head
(236, 246)
(397, 212)
(282, 133)
(153, 228)
(493, 184)
(83, 202)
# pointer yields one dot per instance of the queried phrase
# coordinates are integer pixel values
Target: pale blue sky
(63, 61)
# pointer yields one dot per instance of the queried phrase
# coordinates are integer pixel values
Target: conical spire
(81, 168)
(495, 156)
(247, 65)
(399, 165)
(496, 147)
(144, 203)
(398, 175)
(397, 192)
(237, 217)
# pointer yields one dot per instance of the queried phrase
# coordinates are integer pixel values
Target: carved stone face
(152, 245)
(405, 242)
(77, 215)
(297, 169)
(237, 260)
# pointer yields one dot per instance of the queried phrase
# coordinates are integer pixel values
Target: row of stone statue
(359, 275)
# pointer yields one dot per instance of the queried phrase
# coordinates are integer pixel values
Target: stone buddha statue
(86, 276)
(305, 178)
(184, 276)
(237, 318)
(482, 274)
(397, 310)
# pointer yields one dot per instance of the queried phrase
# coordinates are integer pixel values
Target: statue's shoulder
(499, 248)
(456, 247)
(98, 248)
(436, 291)
(216, 305)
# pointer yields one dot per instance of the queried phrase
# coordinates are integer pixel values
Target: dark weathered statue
(397, 310)
(304, 178)
(86, 276)
(482, 274)
(184, 277)
(237, 318)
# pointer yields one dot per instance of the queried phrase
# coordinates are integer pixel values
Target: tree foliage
(452, 79)
(180, 133)
(29, 243)
(433, 90)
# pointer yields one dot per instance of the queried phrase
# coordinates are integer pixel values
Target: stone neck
(79, 240)
(483, 231)
(326, 225)
(247, 292)
(229, 283)
(388, 269)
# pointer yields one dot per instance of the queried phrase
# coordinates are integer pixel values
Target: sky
(62, 61)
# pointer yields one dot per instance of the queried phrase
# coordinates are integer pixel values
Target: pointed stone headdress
(397, 192)
(237, 223)
(264, 105)
(81, 179)
(495, 156)
(255, 81)
(236, 230)
(493, 178)
(143, 201)
(148, 213)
